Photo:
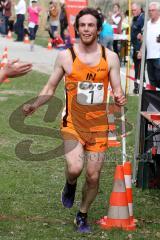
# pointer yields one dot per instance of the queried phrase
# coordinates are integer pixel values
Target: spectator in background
(106, 35)
(116, 19)
(33, 19)
(57, 41)
(2, 18)
(136, 34)
(20, 9)
(125, 22)
(53, 17)
(100, 13)
(67, 39)
(153, 44)
(63, 20)
(7, 14)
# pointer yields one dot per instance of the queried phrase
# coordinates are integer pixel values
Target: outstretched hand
(16, 68)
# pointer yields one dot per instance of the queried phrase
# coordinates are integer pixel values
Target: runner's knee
(92, 178)
(74, 170)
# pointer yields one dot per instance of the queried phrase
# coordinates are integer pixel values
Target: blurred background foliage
(105, 5)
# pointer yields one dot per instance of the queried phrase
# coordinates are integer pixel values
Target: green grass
(42, 41)
(30, 207)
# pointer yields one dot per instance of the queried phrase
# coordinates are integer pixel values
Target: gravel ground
(41, 58)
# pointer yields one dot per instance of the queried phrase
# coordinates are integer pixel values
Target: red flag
(72, 9)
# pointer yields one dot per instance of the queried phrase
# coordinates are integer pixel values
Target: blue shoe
(68, 195)
(81, 224)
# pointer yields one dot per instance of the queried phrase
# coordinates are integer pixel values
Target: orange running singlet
(86, 94)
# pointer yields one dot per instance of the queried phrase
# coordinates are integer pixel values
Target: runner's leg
(74, 155)
(93, 169)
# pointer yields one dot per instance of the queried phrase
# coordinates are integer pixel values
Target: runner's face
(88, 29)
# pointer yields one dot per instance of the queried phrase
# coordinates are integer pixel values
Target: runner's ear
(76, 29)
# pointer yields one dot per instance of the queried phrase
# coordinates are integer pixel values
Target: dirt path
(41, 58)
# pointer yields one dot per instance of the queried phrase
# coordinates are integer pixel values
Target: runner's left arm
(49, 89)
(115, 80)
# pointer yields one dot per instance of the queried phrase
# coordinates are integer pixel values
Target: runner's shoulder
(63, 55)
(111, 56)
(110, 53)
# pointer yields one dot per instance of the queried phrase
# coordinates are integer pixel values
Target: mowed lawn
(32, 173)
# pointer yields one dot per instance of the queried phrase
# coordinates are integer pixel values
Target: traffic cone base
(109, 223)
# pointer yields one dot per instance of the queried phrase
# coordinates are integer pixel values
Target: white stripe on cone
(130, 206)
(128, 181)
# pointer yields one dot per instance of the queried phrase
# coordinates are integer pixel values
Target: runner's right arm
(49, 89)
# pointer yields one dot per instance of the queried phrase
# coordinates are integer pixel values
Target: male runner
(88, 67)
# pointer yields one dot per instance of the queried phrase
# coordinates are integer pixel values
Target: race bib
(90, 93)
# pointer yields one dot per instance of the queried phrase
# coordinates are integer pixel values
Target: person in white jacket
(20, 10)
(116, 20)
(153, 44)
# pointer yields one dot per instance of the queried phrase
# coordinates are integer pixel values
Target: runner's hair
(90, 11)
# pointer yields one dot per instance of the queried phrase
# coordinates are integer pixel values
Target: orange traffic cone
(118, 214)
(4, 61)
(49, 46)
(128, 182)
(26, 39)
(5, 54)
(9, 35)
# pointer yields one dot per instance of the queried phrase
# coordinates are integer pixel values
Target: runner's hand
(119, 99)
(28, 109)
